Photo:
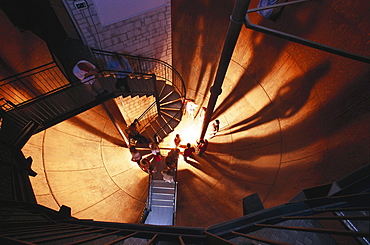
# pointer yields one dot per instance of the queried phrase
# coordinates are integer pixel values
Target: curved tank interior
(292, 117)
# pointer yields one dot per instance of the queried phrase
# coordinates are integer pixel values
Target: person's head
(84, 66)
(188, 145)
(217, 121)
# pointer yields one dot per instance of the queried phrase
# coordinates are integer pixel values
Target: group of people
(120, 67)
(200, 148)
(146, 163)
(88, 74)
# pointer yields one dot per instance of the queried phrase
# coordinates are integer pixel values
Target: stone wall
(147, 34)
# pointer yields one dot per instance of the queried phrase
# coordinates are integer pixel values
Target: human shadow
(344, 109)
(289, 99)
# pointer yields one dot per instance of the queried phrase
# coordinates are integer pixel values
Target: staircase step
(149, 132)
(162, 183)
(173, 96)
(163, 203)
(172, 120)
(142, 85)
(160, 85)
(160, 216)
(161, 121)
(162, 190)
(163, 196)
(171, 115)
(166, 92)
(175, 103)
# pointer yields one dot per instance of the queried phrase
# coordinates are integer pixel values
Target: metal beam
(237, 20)
(306, 42)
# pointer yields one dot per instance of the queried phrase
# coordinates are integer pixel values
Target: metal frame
(237, 19)
(297, 39)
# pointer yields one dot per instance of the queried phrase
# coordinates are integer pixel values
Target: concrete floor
(291, 118)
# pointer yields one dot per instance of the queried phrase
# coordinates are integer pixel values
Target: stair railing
(162, 70)
(148, 205)
(45, 96)
(242, 228)
(246, 226)
(32, 218)
(31, 84)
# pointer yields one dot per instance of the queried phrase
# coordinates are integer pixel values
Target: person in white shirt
(87, 73)
(190, 108)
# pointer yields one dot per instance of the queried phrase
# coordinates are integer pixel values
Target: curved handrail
(103, 56)
(160, 68)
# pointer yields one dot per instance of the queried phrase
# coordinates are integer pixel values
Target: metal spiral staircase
(27, 109)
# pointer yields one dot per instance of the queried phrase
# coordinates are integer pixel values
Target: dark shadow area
(87, 127)
(245, 84)
(351, 106)
(289, 99)
(198, 25)
(193, 196)
(243, 172)
(266, 53)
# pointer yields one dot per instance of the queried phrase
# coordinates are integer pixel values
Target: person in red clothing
(188, 152)
(202, 147)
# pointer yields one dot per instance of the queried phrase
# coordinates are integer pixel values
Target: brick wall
(148, 34)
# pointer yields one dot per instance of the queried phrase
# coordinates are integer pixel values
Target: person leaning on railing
(122, 69)
(87, 73)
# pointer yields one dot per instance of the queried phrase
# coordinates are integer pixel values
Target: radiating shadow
(289, 99)
(345, 108)
(93, 130)
(265, 55)
(198, 26)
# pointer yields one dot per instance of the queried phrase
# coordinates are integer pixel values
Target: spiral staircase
(153, 81)
(26, 110)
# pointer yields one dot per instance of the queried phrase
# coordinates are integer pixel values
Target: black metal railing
(31, 84)
(296, 39)
(44, 96)
(148, 204)
(31, 224)
(28, 223)
(162, 70)
(301, 217)
(56, 105)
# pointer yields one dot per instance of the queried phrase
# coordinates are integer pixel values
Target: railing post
(156, 95)
(237, 20)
